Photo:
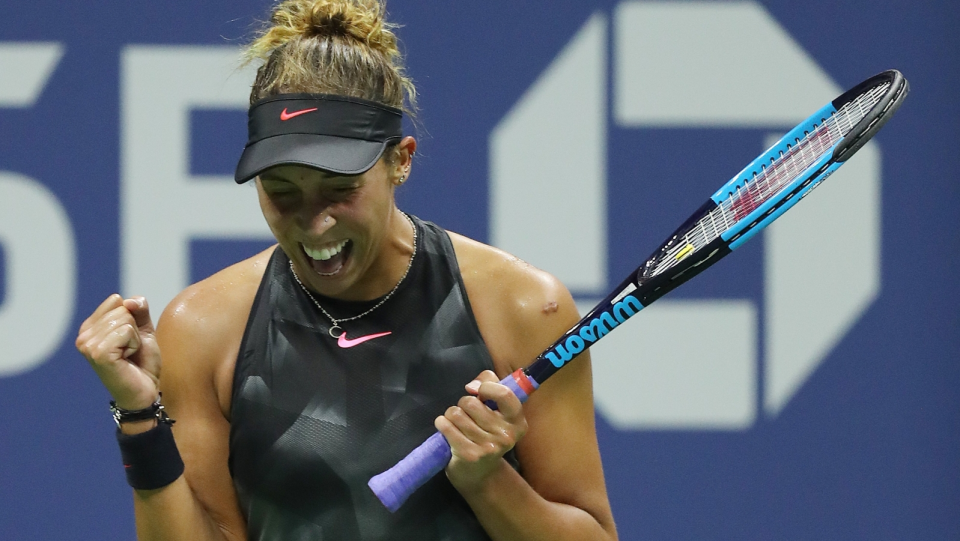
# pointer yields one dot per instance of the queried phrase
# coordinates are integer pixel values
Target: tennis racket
(750, 201)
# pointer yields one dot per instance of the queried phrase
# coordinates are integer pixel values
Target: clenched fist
(480, 436)
(119, 341)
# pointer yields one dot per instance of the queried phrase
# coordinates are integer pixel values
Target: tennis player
(296, 375)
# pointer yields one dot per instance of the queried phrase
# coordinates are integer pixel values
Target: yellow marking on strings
(685, 252)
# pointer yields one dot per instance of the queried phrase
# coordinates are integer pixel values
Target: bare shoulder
(519, 308)
(210, 307)
(200, 330)
(199, 336)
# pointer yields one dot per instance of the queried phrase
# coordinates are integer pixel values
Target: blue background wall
(869, 448)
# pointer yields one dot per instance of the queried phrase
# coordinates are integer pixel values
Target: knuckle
(100, 351)
(502, 391)
(496, 389)
(121, 319)
(505, 438)
(461, 415)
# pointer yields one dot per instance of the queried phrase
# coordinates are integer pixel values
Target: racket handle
(395, 485)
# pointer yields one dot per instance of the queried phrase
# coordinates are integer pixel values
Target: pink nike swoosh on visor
(284, 115)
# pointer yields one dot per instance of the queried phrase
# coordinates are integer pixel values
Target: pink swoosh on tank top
(344, 342)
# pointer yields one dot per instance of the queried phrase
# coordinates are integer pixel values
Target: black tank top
(311, 422)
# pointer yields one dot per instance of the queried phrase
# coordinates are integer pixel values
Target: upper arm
(559, 455)
(521, 310)
(194, 347)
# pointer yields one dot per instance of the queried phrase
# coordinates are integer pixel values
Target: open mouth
(328, 261)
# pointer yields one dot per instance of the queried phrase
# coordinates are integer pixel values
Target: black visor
(337, 134)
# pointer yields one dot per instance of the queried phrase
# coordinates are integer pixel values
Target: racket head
(781, 176)
(765, 189)
(871, 123)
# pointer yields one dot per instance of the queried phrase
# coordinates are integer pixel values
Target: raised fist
(119, 341)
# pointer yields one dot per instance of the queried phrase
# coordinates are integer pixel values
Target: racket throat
(652, 288)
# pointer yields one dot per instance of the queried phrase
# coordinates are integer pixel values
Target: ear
(404, 163)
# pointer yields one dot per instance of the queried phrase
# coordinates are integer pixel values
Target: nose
(320, 222)
(315, 212)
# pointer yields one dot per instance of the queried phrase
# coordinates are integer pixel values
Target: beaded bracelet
(154, 411)
(151, 459)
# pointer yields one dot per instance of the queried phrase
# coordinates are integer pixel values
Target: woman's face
(334, 228)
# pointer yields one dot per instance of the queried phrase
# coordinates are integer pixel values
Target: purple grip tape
(395, 485)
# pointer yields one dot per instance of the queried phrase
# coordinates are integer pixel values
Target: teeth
(324, 254)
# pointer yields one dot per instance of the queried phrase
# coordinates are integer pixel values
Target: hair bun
(326, 23)
(358, 19)
(341, 47)
(330, 24)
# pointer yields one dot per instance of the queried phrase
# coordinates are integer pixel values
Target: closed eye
(344, 191)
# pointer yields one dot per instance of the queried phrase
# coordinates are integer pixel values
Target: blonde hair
(342, 47)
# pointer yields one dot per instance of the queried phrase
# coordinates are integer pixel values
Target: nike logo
(284, 115)
(345, 342)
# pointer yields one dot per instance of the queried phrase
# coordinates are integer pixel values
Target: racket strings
(800, 156)
(772, 178)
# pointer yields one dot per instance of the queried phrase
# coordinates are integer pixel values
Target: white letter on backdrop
(35, 232)
(163, 206)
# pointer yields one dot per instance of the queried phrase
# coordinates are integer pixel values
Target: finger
(108, 304)
(117, 317)
(100, 337)
(111, 345)
(494, 425)
(479, 411)
(471, 423)
(140, 310)
(507, 402)
(460, 445)
(107, 321)
(133, 342)
(487, 375)
(473, 387)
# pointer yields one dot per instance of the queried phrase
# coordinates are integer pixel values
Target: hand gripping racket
(755, 197)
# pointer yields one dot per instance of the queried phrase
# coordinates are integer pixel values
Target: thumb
(140, 311)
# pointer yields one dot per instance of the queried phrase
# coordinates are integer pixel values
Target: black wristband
(150, 458)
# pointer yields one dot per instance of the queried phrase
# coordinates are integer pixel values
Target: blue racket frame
(644, 286)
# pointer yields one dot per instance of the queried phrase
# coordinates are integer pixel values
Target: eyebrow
(274, 179)
(266, 178)
(336, 181)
